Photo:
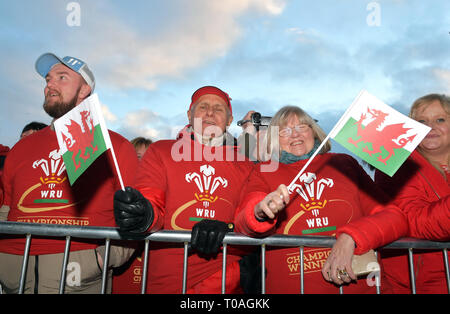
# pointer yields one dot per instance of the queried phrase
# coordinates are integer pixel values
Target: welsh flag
(82, 137)
(377, 133)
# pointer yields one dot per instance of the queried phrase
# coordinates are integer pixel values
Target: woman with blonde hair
(421, 188)
(333, 191)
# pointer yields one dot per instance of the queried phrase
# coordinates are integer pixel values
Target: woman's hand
(273, 203)
(338, 266)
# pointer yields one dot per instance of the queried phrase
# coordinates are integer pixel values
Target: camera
(257, 120)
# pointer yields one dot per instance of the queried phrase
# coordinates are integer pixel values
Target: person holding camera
(254, 127)
(191, 183)
(333, 191)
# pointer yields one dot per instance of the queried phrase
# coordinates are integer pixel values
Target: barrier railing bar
(19, 228)
(447, 272)
(26, 255)
(411, 270)
(263, 269)
(62, 281)
(145, 267)
(105, 265)
(224, 267)
(108, 233)
(185, 262)
(377, 277)
(302, 287)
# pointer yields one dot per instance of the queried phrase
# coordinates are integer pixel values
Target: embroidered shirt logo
(52, 176)
(52, 167)
(201, 206)
(311, 190)
(207, 184)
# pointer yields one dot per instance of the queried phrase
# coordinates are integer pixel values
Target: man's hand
(132, 211)
(207, 235)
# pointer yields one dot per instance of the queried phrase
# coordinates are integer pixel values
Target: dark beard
(58, 108)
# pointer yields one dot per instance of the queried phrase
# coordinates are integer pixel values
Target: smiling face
(301, 139)
(437, 141)
(64, 90)
(210, 116)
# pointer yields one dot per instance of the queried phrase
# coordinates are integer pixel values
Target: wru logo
(207, 183)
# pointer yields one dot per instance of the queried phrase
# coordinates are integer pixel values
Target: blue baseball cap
(48, 60)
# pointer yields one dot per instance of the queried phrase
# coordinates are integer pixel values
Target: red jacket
(424, 196)
(415, 189)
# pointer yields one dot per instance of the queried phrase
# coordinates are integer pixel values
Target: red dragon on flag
(83, 138)
(89, 138)
(384, 137)
(355, 126)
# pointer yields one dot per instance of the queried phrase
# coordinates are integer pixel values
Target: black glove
(207, 235)
(132, 211)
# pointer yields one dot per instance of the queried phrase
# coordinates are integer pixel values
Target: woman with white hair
(333, 191)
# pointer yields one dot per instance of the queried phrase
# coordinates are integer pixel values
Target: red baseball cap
(205, 90)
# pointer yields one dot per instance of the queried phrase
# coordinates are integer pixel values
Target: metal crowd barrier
(110, 233)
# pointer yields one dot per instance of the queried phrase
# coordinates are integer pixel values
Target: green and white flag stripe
(377, 133)
(74, 173)
(82, 137)
(349, 130)
(363, 110)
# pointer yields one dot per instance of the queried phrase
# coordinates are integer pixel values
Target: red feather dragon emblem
(384, 137)
(82, 138)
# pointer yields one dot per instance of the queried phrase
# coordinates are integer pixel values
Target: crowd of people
(205, 182)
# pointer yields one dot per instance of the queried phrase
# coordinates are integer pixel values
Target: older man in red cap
(197, 192)
(209, 114)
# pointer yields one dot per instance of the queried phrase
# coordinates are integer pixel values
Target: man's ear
(85, 91)
(230, 119)
(189, 115)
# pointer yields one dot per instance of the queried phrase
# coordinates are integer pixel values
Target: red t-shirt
(186, 182)
(333, 191)
(37, 189)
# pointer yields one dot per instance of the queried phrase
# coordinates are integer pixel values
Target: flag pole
(117, 168)
(108, 139)
(336, 127)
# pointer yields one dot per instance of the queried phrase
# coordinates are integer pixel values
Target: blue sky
(150, 56)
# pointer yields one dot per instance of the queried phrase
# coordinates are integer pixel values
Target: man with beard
(36, 190)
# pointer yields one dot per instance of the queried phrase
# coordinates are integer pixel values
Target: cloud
(443, 76)
(147, 123)
(141, 58)
(107, 114)
(133, 47)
